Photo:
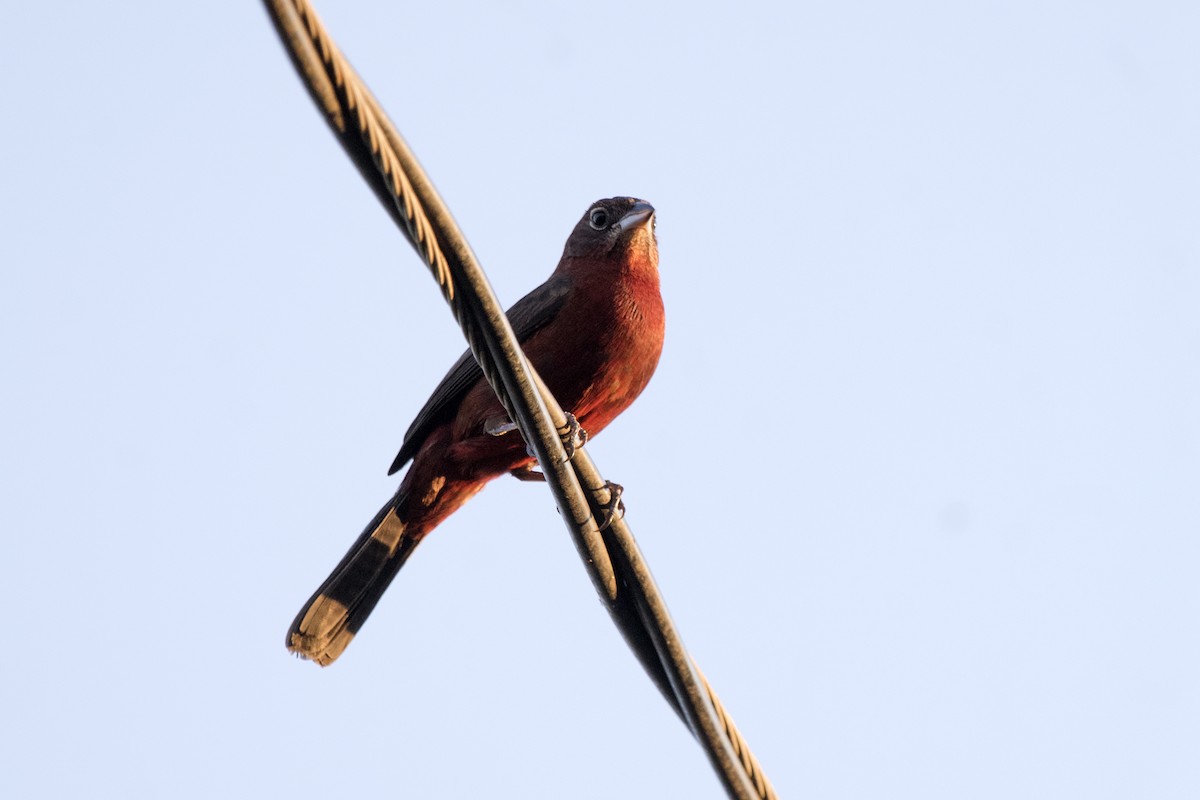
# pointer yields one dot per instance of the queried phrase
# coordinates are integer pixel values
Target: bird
(594, 332)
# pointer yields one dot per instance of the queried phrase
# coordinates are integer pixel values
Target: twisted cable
(762, 784)
(393, 173)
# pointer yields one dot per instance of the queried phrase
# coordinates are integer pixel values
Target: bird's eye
(598, 219)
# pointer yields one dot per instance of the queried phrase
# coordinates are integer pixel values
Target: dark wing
(529, 315)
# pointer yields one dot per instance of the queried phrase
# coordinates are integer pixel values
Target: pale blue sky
(934, 534)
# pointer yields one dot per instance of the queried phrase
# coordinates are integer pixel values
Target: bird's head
(619, 227)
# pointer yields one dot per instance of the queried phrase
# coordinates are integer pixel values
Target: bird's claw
(573, 435)
(614, 509)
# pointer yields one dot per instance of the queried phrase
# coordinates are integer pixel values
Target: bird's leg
(614, 509)
(528, 474)
(498, 426)
(611, 511)
(573, 437)
(572, 433)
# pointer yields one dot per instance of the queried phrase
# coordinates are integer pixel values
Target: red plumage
(594, 332)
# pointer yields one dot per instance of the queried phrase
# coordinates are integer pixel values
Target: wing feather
(527, 316)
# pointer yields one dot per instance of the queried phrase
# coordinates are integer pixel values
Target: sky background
(917, 474)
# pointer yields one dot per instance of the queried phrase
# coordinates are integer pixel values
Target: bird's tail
(331, 617)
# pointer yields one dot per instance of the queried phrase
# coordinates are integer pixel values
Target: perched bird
(593, 331)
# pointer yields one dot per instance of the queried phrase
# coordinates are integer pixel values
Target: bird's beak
(636, 215)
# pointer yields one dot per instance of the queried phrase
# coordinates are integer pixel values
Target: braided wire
(381, 139)
(762, 784)
(357, 98)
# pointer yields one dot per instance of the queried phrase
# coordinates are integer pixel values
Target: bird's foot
(614, 509)
(573, 435)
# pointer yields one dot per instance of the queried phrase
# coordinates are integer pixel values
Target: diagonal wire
(393, 173)
(614, 562)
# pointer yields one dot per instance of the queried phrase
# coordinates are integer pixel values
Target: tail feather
(333, 615)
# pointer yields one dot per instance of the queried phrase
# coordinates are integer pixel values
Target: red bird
(594, 331)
